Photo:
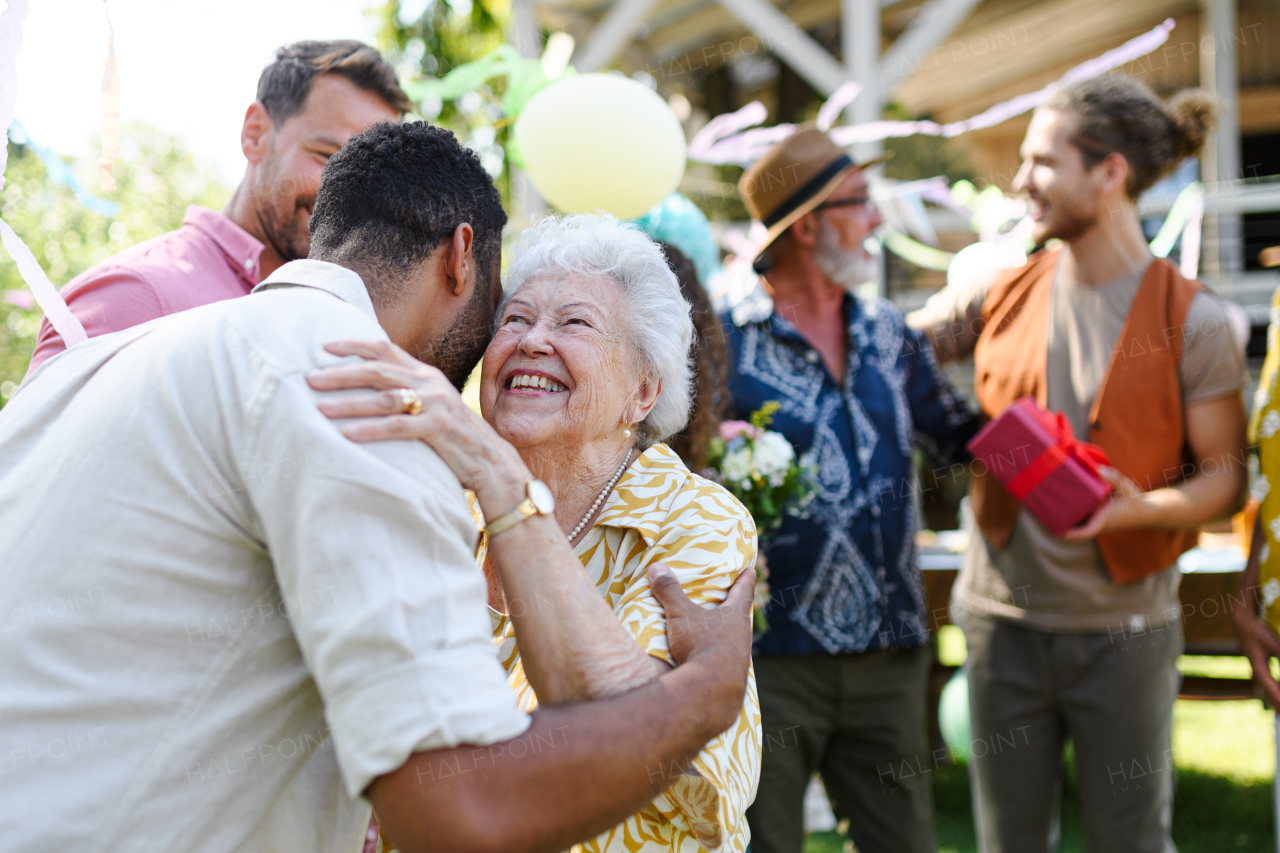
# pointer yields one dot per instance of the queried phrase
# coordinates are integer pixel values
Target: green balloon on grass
(953, 716)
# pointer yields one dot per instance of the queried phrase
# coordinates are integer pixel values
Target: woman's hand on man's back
(482, 461)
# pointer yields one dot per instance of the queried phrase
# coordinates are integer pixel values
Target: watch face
(541, 497)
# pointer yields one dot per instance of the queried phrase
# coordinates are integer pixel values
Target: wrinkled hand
(717, 639)
(1259, 644)
(477, 455)
(1115, 514)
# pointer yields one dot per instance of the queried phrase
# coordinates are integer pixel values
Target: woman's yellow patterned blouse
(660, 512)
(1264, 431)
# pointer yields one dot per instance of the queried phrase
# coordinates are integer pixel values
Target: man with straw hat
(842, 667)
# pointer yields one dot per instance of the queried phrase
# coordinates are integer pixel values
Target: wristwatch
(538, 501)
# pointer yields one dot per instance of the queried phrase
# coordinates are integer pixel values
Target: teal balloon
(678, 222)
(953, 716)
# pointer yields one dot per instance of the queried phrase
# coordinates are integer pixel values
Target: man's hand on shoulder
(716, 640)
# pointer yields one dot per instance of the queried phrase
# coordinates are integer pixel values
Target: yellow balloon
(601, 142)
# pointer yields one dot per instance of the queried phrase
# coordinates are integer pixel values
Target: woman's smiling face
(560, 367)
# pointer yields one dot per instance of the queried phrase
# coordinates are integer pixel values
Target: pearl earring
(626, 433)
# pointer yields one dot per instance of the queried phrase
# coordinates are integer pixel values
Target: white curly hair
(660, 330)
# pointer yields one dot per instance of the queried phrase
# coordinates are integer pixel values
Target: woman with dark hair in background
(710, 366)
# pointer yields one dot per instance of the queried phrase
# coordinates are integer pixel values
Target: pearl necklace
(608, 488)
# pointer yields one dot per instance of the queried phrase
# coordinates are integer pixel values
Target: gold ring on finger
(410, 402)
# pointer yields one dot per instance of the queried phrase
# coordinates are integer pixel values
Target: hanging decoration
(725, 139)
(524, 77)
(110, 112)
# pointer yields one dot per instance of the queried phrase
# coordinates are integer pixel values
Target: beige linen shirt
(219, 619)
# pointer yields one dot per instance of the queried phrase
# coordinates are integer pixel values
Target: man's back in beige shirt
(221, 619)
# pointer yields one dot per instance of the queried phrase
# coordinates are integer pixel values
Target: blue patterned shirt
(844, 578)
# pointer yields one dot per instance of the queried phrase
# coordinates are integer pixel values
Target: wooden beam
(712, 26)
(789, 42)
(860, 43)
(936, 21)
(994, 53)
(612, 34)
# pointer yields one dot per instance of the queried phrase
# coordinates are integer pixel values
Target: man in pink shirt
(310, 101)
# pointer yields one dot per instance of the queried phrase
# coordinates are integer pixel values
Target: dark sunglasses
(858, 201)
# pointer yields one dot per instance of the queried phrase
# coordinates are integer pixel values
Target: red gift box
(1041, 462)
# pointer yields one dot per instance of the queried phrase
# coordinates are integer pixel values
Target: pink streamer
(745, 148)
(724, 126)
(835, 105)
(941, 196)
(51, 302)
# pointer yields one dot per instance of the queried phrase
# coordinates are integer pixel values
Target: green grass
(1225, 755)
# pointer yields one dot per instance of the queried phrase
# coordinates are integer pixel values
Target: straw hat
(795, 177)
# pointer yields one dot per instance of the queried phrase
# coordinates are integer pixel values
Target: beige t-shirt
(1047, 582)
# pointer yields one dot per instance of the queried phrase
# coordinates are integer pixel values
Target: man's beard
(848, 268)
(287, 230)
(1067, 221)
(285, 218)
(459, 350)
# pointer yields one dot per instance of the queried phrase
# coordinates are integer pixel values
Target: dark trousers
(1112, 694)
(859, 721)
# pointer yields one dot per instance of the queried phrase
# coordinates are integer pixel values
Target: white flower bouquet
(760, 468)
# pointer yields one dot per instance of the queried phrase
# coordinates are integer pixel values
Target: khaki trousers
(1112, 694)
(858, 720)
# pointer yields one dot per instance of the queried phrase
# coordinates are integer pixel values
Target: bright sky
(189, 68)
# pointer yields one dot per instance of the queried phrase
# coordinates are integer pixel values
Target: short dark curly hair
(392, 194)
(285, 84)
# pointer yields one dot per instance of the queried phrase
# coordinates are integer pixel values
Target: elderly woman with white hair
(587, 373)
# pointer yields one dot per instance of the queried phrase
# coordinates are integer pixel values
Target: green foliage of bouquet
(759, 466)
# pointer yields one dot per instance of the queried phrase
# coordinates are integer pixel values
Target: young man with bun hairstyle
(1077, 637)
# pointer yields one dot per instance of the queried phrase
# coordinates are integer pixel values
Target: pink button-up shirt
(208, 259)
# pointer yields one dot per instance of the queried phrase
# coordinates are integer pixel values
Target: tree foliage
(430, 39)
(157, 178)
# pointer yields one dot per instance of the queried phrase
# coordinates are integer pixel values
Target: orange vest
(1137, 416)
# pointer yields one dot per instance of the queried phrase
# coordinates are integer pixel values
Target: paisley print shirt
(659, 511)
(844, 578)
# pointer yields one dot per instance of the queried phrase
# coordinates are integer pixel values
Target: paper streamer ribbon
(835, 105)
(60, 316)
(47, 296)
(717, 146)
(110, 112)
(1065, 446)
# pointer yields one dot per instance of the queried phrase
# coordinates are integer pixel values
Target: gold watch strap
(523, 510)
